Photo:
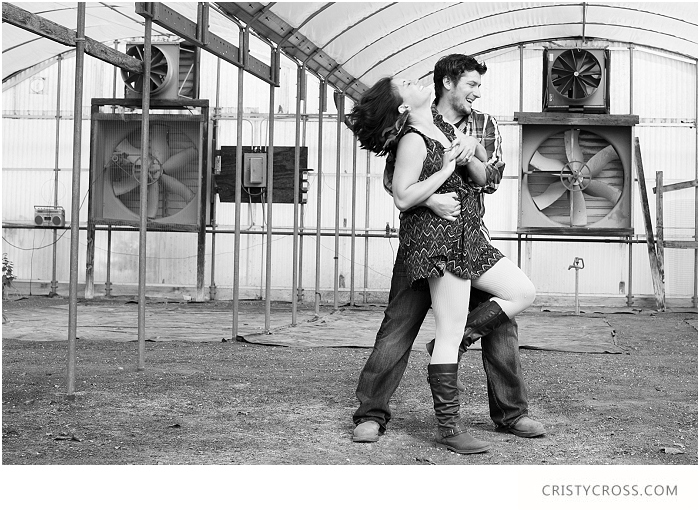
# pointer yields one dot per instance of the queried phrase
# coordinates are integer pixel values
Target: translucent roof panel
(353, 44)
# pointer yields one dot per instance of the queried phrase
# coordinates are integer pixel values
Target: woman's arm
(408, 191)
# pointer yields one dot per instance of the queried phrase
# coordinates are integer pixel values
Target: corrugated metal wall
(664, 99)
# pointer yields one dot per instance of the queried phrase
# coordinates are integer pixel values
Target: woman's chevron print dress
(433, 245)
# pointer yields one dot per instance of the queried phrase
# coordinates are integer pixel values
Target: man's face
(464, 92)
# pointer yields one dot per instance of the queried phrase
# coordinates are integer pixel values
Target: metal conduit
(75, 200)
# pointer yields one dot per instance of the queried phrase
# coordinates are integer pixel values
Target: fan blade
(542, 163)
(179, 161)
(601, 159)
(160, 149)
(153, 198)
(573, 151)
(122, 187)
(132, 153)
(579, 217)
(177, 187)
(549, 196)
(599, 188)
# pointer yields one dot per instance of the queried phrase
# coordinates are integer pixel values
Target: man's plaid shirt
(484, 128)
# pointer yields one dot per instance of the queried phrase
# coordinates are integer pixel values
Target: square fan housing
(603, 216)
(115, 169)
(174, 67)
(564, 68)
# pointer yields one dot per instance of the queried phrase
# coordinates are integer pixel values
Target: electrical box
(255, 170)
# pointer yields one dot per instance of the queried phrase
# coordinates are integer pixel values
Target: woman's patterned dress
(433, 245)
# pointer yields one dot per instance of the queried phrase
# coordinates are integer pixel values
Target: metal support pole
(215, 138)
(143, 190)
(268, 195)
(108, 281)
(520, 102)
(75, 199)
(340, 104)
(319, 189)
(695, 276)
(353, 223)
(237, 211)
(367, 195)
(629, 272)
(297, 159)
(54, 281)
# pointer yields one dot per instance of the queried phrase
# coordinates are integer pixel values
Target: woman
(394, 118)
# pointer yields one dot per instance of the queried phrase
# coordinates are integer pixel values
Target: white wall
(663, 95)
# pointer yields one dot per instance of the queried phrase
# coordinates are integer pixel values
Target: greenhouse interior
(265, 194)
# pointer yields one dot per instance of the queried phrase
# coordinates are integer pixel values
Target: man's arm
(491, 140)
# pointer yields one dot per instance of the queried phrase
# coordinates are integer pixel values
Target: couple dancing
(441, 159)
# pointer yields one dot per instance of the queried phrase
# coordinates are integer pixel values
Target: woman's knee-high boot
(480, 322)
(450, 433)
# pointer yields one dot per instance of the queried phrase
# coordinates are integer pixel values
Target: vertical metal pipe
(75, 200)
(319, 189)
(108, 281)
(143, 190)
(54, 281)
(366, 264)
(340, 108)
(353, 223)
(215, 139)
(521, 79)
(295, 231)
(629, 270)
(269, 195)
(302, 208)
(237, 211)
(695, 276)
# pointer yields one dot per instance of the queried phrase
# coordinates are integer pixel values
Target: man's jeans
(387, 363)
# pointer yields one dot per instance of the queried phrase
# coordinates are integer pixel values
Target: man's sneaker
(367, 431)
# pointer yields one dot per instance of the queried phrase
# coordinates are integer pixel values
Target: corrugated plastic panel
(664, 88)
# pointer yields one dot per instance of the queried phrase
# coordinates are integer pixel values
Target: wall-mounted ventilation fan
(173, 71)
(576, 80)
(575, 180)
(578, 175)
(175, 168)
(166, 163)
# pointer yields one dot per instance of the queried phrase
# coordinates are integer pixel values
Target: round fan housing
(163, 70)
(576, 74)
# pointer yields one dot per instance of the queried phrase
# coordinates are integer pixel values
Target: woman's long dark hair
(376, 120)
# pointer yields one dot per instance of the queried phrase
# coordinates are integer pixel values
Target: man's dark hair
(453, 66)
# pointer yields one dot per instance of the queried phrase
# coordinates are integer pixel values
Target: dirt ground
(232, 403)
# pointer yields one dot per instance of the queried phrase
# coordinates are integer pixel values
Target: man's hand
(446, 206)
(465, 147)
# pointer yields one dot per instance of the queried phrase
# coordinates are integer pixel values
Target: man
(457, 80)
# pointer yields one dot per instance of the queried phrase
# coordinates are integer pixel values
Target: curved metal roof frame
(352, 44)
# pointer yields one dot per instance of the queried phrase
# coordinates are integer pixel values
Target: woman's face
(412, 93)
